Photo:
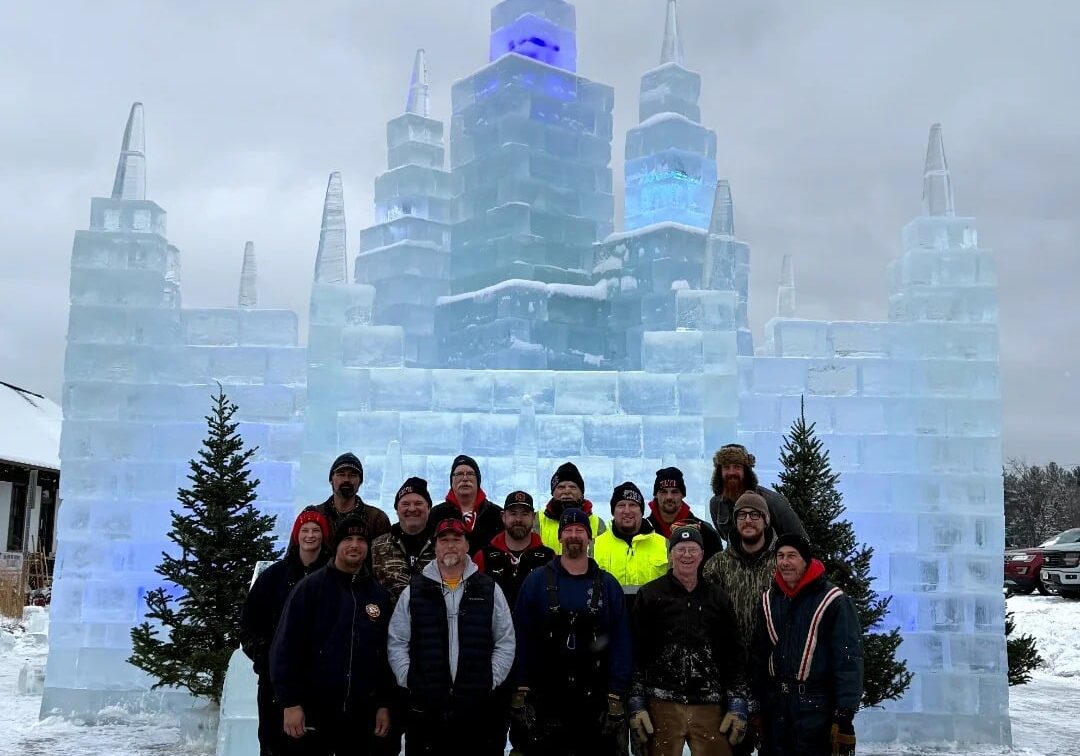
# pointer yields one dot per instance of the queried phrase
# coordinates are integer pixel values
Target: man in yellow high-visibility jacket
(631, 550)
(567, 491)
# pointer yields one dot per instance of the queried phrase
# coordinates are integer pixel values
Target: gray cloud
(822, 110)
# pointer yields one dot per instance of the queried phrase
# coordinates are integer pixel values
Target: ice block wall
(139, 374)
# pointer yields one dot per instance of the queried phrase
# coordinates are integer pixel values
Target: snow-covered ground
(1045, 713)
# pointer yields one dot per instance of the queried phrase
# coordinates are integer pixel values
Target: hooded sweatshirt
(485, 524)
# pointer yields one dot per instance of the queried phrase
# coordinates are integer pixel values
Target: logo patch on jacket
(373, 611)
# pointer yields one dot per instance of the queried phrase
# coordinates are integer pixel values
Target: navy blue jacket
(531, 611)
(329, 652)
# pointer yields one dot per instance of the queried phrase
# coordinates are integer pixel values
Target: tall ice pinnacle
(937, 198)
(672, 51)
(330, 263)
(248, 295)
(723, 213)
(419, 87)
(130, 182)
(785, 295)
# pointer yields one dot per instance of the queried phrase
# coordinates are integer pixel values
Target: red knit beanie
(310, 515)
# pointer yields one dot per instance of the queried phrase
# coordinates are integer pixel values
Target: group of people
(466, 625)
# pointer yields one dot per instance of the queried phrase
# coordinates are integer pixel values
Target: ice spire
(391, 476)
(937, 194)
(723, 214)
(130, 182)
(420, 87)
(672, 51)
(330, 263)
(248, 295)
(785, 295)
(525, 446)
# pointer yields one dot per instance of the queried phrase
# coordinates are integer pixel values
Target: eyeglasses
(464, 476)
(751, 515)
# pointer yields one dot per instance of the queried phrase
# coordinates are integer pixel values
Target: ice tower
(494, 311)
(138, 377)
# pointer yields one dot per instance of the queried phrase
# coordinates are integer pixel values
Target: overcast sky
(822, 110)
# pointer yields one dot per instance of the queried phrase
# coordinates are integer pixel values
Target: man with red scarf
(668, 506)
(467, 502)
(806, 658)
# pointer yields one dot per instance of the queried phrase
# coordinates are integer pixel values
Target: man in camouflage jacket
(404, 552)
(745, 571)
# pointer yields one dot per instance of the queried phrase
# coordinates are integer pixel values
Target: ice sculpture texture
(493, 310)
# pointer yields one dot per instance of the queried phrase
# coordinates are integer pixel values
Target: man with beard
(567, 490)
(806, 658)
(467, 502)
(668, 506)
(630, 550)
(309, 550)
(509, 559)
(402, 553)
(574, 659)
(451, 643)
(346, 477)
(690, 683)
(328, 661)
(733, 475)
(745, 571)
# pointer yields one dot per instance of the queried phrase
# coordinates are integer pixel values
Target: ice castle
(494, 309)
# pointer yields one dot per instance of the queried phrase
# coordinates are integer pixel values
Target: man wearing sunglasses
(733, 475)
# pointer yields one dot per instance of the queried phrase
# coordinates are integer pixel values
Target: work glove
(735, 721)
(522, 710)
(641, 726)
(614, 720)
(843, 733)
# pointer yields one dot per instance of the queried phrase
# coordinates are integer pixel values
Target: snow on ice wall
(909, 408)
(138, 378)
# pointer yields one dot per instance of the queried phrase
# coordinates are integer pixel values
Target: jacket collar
(554, 509)
(815, 571)
(481, 499)
(499, 542)
(740, 554)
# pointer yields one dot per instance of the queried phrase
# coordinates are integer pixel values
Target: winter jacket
(265, 600)
(782, 517)
(377, 521)
(485, 525)
(709, 536)
(508, 569)
(743, 577)
(329, 652)
(405, 645)
(687, 647)
(807, 661)
(633, 564)
(394, 567)
(547, 523)
(534, 665)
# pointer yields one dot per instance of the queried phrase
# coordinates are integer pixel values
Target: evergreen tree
(220, 537)
(809, 483)
(1023, 654)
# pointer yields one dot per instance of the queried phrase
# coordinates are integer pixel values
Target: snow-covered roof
(30, 429)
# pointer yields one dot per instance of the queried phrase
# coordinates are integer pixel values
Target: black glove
(614, 719)
(843, 733)
(522, 710)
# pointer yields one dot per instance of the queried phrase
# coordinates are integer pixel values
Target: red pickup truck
(1022, 566)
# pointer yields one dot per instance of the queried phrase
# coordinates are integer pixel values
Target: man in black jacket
(467, 502)
(806, 658)
(689, 670)
(733, 475)
(346, 477)
(309, 550)
(328, 662)
(668, 506)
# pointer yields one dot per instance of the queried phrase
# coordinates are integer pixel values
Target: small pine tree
(1023, 654)
(809, 484)
(221, 536)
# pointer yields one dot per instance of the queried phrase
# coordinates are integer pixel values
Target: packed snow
(1045, 713)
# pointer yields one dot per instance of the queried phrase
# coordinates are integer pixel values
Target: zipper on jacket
(352, 647)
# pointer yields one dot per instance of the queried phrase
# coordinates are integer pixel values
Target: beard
(734, 487)
(518, 532)
(574, 549)
(346, 490)
(450, 560)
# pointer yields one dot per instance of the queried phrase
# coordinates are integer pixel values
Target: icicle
(130, 182)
